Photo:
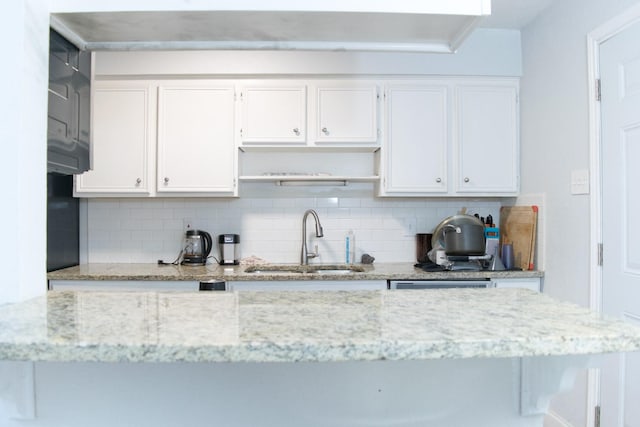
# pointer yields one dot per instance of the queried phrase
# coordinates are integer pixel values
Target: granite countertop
(376, 271)
(303, 326)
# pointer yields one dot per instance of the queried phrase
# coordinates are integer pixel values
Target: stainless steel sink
(304, 269)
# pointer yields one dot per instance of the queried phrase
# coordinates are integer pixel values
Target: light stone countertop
(376, 271)
(253, 326)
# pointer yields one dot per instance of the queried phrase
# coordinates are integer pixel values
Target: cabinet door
(196, 152)
(274, 115)
(533, 284)
(122, 139)
(487, 139)
(347, 114)
(417, 135)
(309, 285)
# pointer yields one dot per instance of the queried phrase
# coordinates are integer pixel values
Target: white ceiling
(514, 14)
(321, 30)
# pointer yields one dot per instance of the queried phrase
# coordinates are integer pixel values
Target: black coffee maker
(197, 246)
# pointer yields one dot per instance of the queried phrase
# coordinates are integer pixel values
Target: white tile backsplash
(139, 230)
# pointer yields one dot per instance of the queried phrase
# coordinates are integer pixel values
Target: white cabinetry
(346, 114)
(434, 147)
(308, 285)
(340, 113)
(532, 283)
(192, 153)
(486, 138)
(123, 285)
(123, 140)
(417, 139)
(274, 115)
(196, 153)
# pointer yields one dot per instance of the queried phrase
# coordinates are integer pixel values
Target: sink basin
(304, 269)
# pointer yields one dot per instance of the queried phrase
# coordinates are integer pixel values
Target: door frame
(594, 39)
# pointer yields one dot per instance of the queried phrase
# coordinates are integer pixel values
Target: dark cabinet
(68, 130)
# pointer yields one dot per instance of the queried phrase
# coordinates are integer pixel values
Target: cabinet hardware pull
(438, 180)
(166, 180)
(138, 181)
(466, 179)
(325, 131)
(296, 131)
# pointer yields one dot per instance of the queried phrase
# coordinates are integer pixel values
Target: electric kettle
(197, 246)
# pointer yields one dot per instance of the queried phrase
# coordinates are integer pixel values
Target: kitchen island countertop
(303, 326)
(376, 271)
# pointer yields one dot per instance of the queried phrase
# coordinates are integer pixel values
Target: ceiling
(514, 14)
(289, 30)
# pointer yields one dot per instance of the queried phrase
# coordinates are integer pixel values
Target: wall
(554, 138)
(23, 112)
(122, 230)
(487, 52)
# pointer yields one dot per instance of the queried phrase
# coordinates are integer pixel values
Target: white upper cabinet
(417, 136)
(433, 147)
(339, 113)
(346, 114)
(123, 139)
(486, 138)
(273, 115)
(196, 150)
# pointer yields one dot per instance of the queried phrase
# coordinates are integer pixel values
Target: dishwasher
(438, 284)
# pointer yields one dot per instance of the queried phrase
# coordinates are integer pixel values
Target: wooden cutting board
(518, 226)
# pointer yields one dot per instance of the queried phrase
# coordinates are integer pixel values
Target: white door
(196, 152)
(416, 147)
(274, 115)
(347, 114)
(620, 77)
(122, 138)
(487, 138)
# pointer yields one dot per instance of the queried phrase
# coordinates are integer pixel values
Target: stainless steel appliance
(462, 238)
(197, 247)
(69, 110)
(229, 247)
(438, 284)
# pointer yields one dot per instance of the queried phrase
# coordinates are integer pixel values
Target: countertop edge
(154, 272)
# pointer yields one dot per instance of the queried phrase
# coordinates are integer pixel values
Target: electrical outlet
(187, 224)
(410, 225)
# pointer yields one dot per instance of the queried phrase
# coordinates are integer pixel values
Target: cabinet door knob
(138, 181)
(325, 131)
(466, 179)
(296, 131)
(166, 180)
(438, 180)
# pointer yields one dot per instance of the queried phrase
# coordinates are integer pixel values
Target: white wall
(554, 135)
(23, 113)
(487, 52)
(121, 230)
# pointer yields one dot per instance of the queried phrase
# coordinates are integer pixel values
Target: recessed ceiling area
(289, 30)
(265, 30)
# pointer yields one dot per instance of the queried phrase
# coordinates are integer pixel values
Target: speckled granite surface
(376, 271)
(303, 326)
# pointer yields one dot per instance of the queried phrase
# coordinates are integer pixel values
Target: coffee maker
(229, 247)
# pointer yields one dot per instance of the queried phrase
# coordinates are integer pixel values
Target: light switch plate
(580, 181)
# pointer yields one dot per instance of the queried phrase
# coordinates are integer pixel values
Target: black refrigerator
(63, 223)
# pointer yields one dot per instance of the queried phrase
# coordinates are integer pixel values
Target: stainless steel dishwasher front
(438, 284)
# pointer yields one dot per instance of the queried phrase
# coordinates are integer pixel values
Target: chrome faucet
(304, 253)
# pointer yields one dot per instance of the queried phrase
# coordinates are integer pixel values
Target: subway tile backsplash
(137, 230)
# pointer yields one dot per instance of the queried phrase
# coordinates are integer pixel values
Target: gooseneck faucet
(304, 253)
